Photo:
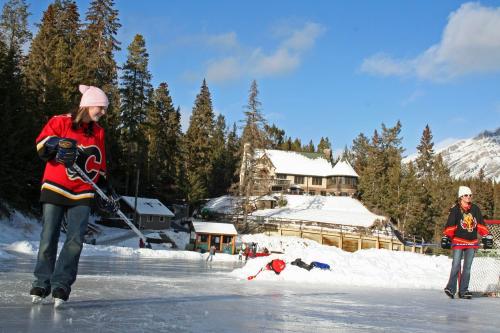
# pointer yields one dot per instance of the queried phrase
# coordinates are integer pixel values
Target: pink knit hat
(92, 96)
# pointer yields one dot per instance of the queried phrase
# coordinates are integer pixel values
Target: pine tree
(18, 126)
(136, 92)
(390, 192)
(484, 194)
(275, 136)
(218, 182)
(49, 66)
(443, 195)
(373, 177)
(360, 147)
(164, 145)
(198, 145)
(425, 172)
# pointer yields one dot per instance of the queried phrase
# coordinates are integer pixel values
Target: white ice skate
(58, 303)
(36, 299)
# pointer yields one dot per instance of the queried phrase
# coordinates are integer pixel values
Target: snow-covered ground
(166, 289)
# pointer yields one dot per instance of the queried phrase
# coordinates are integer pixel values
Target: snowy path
(161, 295)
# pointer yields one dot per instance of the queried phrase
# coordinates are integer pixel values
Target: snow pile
(19, 227)
(368, 268)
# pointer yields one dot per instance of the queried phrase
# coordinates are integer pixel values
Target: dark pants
(468, 256)
(60, 274)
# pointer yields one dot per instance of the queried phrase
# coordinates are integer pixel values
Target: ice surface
(166, 295)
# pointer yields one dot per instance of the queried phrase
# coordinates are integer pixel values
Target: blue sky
(327, 68)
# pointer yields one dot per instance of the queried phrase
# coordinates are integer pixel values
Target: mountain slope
(466, 157)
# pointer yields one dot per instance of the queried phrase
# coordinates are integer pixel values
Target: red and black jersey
(64, 187)
(463, 227)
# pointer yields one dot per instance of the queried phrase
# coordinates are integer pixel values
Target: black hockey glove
(446, 242)
(66, 152)
(488, 241)
(108, 205)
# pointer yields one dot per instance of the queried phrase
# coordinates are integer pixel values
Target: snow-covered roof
(214, 228)
(335, 210)
(148, 206)
(343, 168)
(293, 163)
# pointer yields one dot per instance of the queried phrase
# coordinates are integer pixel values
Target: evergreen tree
(443, 195)
(275, 136)
(390, 191)
(254, 132)
(136, 93)
(309, 147)
(373, 177)
(18, 126)
(483, 190)
(219, 179)
(198, 145)
(425, 172)
(49, 71)
(164, 134)
(360, 148)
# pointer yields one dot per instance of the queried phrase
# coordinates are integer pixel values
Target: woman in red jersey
(65, 140)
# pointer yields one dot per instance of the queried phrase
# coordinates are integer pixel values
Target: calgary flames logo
(468, 222)
(89, 160)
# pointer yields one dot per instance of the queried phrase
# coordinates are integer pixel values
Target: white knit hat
(92, 96)
(463, 190)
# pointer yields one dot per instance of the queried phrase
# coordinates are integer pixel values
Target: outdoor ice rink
(142, 295)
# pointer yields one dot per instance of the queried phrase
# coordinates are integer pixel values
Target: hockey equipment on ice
(488, 241)
(105, 197)
(445, 242)
(276, 265)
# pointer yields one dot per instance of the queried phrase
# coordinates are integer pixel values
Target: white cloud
(470, 44)
(224, 70)
(226, 40)
(383, 64)
(254, 62)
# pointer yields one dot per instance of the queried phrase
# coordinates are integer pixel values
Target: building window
(203, 238)
(227, 239)
(323, 193)
(150, 218)
(317, 180)
(162, 218)
(299, 179)
(312, 192)
(280, 176)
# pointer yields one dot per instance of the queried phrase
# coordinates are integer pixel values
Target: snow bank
(366, 268)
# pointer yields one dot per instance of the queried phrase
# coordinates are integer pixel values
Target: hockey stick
(400, 237)
(251, 277)
(105, 197)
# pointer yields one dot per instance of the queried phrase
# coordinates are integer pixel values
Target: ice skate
(60, 297)
(38, 294)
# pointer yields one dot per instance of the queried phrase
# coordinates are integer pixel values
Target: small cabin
(151, 213)
(206, 234)
(266, 202)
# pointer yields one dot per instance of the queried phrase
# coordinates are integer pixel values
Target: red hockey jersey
(64, 187)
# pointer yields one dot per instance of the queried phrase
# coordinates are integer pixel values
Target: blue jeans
(60, 274)
(468, 255)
